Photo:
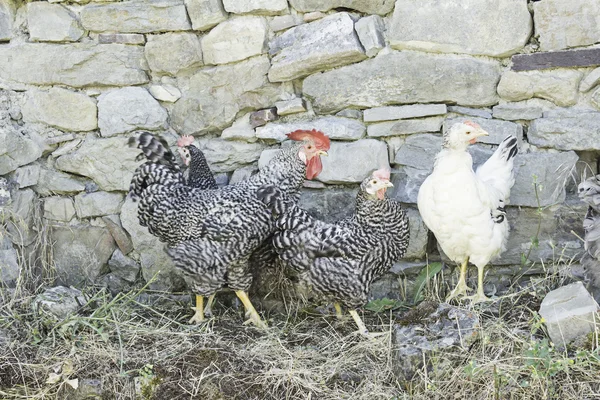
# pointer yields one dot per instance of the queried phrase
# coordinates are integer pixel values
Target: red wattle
(313, 167)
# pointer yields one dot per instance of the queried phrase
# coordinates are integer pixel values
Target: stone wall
(382, 78)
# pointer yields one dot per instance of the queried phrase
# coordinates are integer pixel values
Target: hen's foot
(362, 329)
(199, 311)
(338, 311)
(250, 310)
(478, 298)
(461, 289)
(208, 309)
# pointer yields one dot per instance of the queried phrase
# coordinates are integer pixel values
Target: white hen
(465, 209)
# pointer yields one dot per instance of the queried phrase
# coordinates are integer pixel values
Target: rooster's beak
(389, 184)
(322, 153)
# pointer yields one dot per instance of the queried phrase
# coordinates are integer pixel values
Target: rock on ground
(59, 302)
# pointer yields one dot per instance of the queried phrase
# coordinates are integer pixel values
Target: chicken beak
(481, 132)
(322, 153)
(389, 184)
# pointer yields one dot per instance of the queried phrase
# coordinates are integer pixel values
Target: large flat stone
(503, 26)
(127, 109)
(172, 53)
(77, 65)
(570, 313)
(213, 96)
(27, 176)
(59, 208)
(498, 130)
(61, 108)
(353, 161)
(263, 7)
(517, 111)
(561, 25)
(55, 182)
(97, 204)
(81, 253)
(324, 44)
(403, 112)
(409, 78)
(380, 7)
(109, 162)
(227, 155)
(136, 17)
(17, 149)
(405, 127)
(559, 86)
(235, 39)
(337, 128)
(52, 23)
(205, 14)
(572, 131)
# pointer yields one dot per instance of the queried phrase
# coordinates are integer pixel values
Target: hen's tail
(161, 167)
(497, 171)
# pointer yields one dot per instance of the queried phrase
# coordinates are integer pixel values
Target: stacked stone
(382, 78)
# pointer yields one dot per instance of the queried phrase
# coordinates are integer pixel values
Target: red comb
(472, 124)
(185, 140)
(382, 173)
(320, 140)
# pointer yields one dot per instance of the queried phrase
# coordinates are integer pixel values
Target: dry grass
(303, 355)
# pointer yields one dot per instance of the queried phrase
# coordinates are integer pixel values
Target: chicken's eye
(309, 147)
(373, 181)
(468, 132)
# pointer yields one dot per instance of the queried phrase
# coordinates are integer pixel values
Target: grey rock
(9, 264)
(313, 16)
(225, 155)
(81, 253)
(266, 156)
(241, 174)
(350, 113)
(241, 129)
(590, 80)
(123, 266)
(337, 128)
(575, 130)
(570, 313)
(293, 106)
(52, 23)
(114, 283)
(329, 205)
(64, 109)
(282, 22)
(366, 155)
(504, 29)
(264, 7)
(56, 182)
(105, 65)
(121, 38)
(417, 243)
(212, 98)
(595, 98)
(27, 176)
(558, 85)
(561, 25)
(118, 233)
(403, 112)
(109, 162)
(20, 226)
(127, 109)
(405, 127)
(59, 208)
(498, 130)
(262, 117)
(380, 7)
(166, 93)
(171, 53)
(370, 32)
(136, 17)
(205, 14)
(98, 204)
(7, 16)
(474, 112)
(59, 302)
(359, 85)
(517, 111)
(155, 262)
(222, 179)
(17, 149)
(5, 195)
(235, 39)
(305, 49)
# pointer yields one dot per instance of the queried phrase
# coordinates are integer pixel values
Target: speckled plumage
(340, 260)
(211, 233)
(589, 192)
(199, 174)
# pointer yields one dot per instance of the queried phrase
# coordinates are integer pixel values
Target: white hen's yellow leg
(461, 287)
(250, 310)
(480, 296)
(199, 311)
(338, 311)
(361, 325)
(209, 304)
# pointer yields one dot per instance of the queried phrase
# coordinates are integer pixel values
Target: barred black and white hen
(465, 209)
(212, 233)
(589, 192)
(340, 260)
(198, 172)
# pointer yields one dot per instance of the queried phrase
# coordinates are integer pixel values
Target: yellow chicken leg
(209, 304)
(338, 311)
(461, 287)
(199, 311)
(480, 296)
(361, 325)
(254, 317)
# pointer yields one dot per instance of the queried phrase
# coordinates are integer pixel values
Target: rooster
(212, 233)
(199, 174)
(589, 192)
(340, 260)
(465, 209)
